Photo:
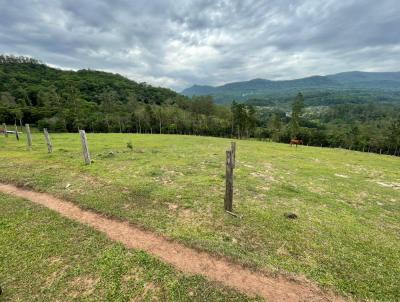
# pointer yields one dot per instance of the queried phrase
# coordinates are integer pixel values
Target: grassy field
(346, 237)
(64, 261)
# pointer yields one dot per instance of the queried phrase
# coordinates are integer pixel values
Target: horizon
(292, 79)
(180, 44)
(203, 85)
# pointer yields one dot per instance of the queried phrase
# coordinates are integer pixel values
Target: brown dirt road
(272, 288)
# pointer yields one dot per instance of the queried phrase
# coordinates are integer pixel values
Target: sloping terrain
(45, 257)
(273, 288)
(347, 202)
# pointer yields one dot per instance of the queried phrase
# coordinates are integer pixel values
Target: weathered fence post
(229, 182)
(48, 140)
(5, 130)
(233, 149)
(16, 132)
(85, 147)
(28, 135)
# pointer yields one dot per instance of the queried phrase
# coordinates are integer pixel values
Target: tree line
(367, 127)
(66, 101)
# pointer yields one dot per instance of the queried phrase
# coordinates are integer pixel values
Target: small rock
(291, 215)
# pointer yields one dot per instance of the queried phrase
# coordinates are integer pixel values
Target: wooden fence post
(16, 132)
(29, 136)
(48, 140)
(85, 147)
(5, 130)
(233, 149)
(229, 182)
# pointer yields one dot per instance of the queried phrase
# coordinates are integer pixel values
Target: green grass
(44, 257)
(346, 237)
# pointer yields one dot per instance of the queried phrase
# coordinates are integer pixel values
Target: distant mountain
(354, 84)
(259, 84)
(366, 80)
(363, 77)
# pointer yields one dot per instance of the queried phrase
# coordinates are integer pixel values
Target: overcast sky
(178, 43)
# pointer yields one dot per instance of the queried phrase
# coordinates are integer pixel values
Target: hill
(62, 100)
(174, 185)
(31, 78)
(366, 78)
(318, 90)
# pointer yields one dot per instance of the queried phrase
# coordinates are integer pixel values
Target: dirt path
(183, 258)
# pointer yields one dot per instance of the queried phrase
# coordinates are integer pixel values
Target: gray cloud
(177, 43)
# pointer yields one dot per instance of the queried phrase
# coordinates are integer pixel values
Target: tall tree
(297, 108)
(276, 126)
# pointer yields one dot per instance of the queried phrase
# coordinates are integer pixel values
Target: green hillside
(346, 236)
(61, 100)
(31, 82)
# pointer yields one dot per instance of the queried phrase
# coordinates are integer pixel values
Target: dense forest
(60, 100)
(31, 92)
